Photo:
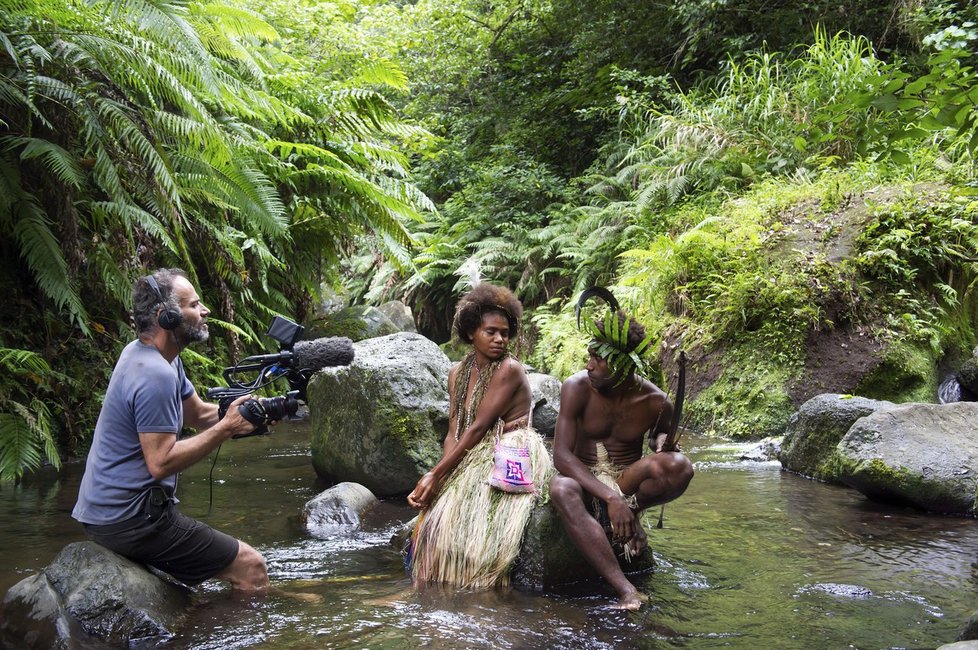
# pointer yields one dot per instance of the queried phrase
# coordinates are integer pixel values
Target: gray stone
(380, 421)
(968, 374)
(338, 508)
(970, 632)
(547, 556)
(545, 391)
(399, 314)
(814, 431)
(763, 450)
(959, 645)
(91, 591)
(924, 455)
(358, 322)
(549, 559)
(330, 301)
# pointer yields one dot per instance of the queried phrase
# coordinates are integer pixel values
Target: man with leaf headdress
(604, 480)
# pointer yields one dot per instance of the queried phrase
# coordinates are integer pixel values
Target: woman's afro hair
(486, 298)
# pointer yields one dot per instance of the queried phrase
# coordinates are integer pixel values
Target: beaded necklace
(465, 416)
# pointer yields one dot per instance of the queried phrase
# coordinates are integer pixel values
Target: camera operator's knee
(248, 571)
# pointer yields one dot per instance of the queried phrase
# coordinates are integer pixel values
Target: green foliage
(768, 114)
(195, 134)
(923, 250)
(26, 427)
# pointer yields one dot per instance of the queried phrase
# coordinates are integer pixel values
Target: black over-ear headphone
(169, 318)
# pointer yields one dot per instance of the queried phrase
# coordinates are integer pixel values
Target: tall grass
(769, 114)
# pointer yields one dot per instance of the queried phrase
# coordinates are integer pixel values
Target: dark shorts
(185, 548)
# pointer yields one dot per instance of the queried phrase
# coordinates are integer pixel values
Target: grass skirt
(471, 534)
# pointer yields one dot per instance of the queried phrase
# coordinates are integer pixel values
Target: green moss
(880, 481)
(907, 373)
(346, 322)
(747, 401)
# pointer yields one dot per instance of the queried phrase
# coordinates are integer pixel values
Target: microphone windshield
(323, 352)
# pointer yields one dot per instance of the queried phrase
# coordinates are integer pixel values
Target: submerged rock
(340, 507)
(549, 559)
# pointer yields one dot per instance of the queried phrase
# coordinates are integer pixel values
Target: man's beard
(194, 333)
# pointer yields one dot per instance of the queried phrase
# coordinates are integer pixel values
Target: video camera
(296, 361)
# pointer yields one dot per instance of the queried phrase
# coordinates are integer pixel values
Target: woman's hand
(423, 492)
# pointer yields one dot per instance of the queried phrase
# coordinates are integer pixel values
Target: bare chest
(622, 421)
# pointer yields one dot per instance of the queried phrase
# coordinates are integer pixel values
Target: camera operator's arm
(166, 455)
(198, 414)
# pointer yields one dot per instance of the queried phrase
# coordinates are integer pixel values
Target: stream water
(749, 557)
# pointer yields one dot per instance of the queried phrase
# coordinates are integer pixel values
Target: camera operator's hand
(234, 423)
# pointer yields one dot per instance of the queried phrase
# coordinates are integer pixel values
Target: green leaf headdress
(612, 343)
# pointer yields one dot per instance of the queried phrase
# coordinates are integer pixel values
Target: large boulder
(814, 431)
(91, 591)
(357, 322)
(399, 314)
(339, 507)
(924, 455)
(545, 390)
(968, 374)
(380, 421)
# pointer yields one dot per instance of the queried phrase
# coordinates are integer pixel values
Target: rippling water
(750, 557)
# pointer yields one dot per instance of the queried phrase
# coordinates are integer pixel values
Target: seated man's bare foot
(632, 601)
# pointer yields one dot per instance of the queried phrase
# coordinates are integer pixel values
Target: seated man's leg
(654, 480)
(588, 536)
(657, 478)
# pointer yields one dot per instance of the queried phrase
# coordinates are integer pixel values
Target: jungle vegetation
(392, 150)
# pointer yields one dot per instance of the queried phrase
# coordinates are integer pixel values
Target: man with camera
(126, 500)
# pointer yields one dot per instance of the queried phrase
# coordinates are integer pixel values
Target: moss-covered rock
(907, 372)
(924, 455)
(357, 323)
(816, 429)
(380, 421)
(747, 400)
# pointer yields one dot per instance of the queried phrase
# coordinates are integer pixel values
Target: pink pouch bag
(511, 470)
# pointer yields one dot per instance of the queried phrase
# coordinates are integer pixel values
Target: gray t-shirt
(145, 395)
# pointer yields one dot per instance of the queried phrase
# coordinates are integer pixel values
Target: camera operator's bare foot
(303, 596)
(632, 601)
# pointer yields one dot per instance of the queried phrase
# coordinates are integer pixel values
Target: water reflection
(750, 557)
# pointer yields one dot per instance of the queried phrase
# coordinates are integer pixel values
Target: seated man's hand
(622, 519)
(660, 444)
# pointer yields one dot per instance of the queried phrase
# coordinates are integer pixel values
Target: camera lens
(279, 408)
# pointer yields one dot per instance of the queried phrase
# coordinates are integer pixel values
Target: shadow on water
(750, 557)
